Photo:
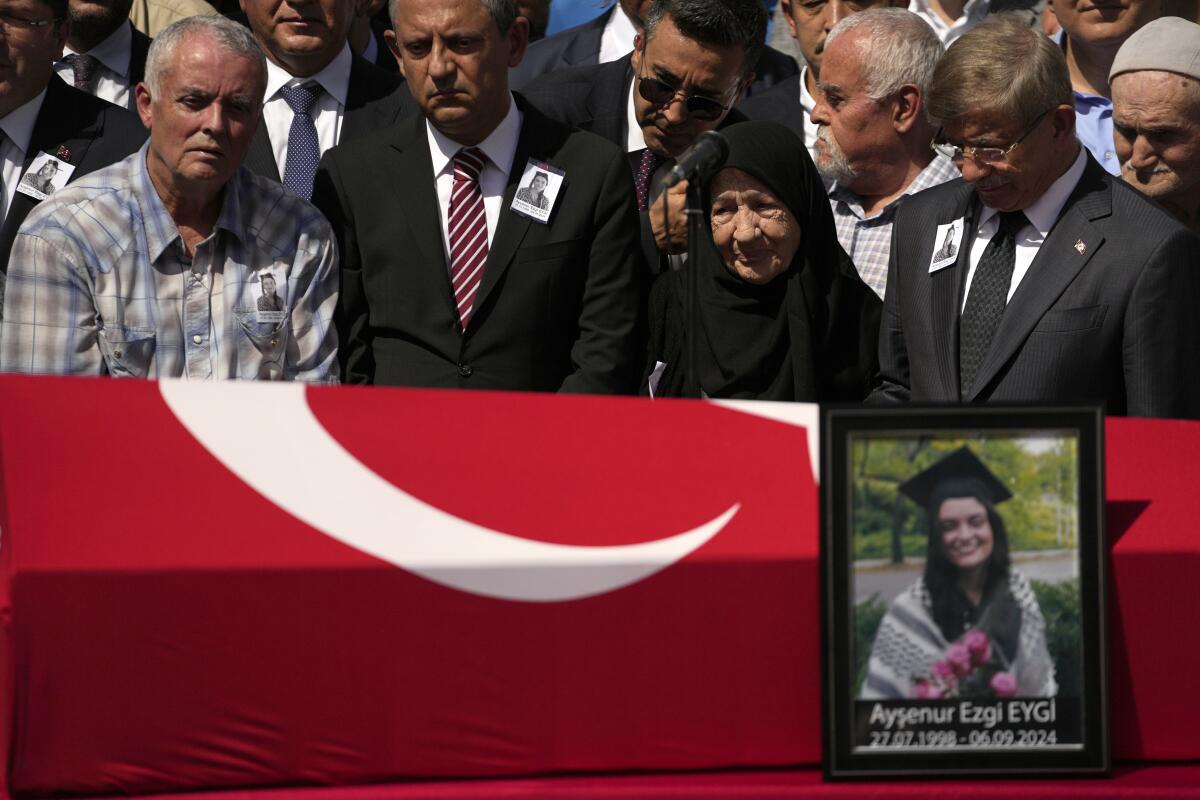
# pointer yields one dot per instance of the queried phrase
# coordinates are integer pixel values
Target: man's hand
(674, 238)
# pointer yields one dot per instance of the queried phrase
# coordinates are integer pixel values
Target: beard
(831, 160)
(92, 26)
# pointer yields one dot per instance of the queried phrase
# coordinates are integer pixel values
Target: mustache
(1146, 172)
(832, 162)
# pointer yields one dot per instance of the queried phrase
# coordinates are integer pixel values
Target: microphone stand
(695, 221)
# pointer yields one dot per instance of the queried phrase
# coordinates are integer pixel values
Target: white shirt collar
(18, 123)
(634, 140)
(807, 101)
(114, 51)
(334, 77)
(617, 38)
(500, 146)
(1045, 211)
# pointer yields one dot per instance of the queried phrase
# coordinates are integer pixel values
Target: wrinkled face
(302, 36)
(758, 235)
(855, 129)
(1105, 21)
(204, 116)
(809, 22)
(1156, 129)
(1028, 170)
(27, 55)
(966, 532)
(456, 63)
(691, 68)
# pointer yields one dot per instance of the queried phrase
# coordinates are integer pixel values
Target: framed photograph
(963, 578)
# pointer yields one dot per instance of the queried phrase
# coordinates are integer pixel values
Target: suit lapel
(139, 48)
(512, 227)
(1068, 248)
(260, 159)
(945, 288)
(52, 133)
(418, 204)
(606, 102)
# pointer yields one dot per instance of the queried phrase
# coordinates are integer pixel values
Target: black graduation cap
(959, 474)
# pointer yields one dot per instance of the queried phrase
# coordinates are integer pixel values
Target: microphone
(708, 152)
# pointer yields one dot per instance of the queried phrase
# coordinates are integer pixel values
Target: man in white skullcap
(1156, 114)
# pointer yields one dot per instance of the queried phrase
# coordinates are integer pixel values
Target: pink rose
(979, 646)
(944, 672)
(924, 690)
(1004, 684)
(959, 658)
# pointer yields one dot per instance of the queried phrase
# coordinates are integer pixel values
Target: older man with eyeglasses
(1066, 286)
(692, 62)
(42, 118)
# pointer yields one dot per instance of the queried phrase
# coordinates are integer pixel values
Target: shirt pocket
(127, 351)
(1070, 320)
(264, 343)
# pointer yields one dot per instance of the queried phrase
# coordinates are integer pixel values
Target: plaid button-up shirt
(99, 283)
(868, 240)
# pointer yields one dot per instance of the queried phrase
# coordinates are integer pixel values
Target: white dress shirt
(327, 113)
(617, 39)
(973, 13)
(18, 130)
(500, 147)
(1042, 215)
(808, 103)
(110, 81)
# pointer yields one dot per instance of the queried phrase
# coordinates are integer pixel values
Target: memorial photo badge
(946, 242)
(538, 191)
(268, 291)
(46, 175)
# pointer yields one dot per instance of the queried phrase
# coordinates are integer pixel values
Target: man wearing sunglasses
(1067, 285)
(39, 113)
(689, 66)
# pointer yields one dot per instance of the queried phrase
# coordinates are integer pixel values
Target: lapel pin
(63, 152)
(1080, 246)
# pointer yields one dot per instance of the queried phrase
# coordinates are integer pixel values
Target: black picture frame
(890, 710)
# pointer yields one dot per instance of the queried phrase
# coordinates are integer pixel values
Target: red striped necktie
(468, 230)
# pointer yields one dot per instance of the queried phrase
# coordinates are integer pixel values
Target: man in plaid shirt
(873, 139)
(154, 267)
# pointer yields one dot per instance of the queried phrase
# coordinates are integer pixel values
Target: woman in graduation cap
(968, 585)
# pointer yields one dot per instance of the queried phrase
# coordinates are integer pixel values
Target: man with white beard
(873, 135)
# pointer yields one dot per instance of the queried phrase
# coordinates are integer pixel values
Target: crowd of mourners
(940, 201)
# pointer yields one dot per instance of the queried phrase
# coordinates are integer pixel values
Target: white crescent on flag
(267, 435)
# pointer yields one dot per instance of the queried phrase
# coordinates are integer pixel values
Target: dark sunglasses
(660, 94)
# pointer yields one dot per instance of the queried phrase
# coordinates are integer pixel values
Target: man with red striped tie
(451, 279)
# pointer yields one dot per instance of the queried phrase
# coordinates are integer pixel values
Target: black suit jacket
(1107, 311)
(580, 46)
(139, 48)
(781, 103)
(559, 305)
(80, 129)
(595, 99)
(375, 99)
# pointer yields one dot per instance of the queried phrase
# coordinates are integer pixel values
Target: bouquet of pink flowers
(971, 667)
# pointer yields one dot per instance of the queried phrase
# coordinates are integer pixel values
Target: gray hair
(896, 48)
(1002, 66)
(235, 38)
(717, 23)
(504, 12)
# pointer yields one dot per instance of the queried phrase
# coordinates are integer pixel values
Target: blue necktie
(303, 150)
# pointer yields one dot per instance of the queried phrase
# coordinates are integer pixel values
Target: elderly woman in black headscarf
(970, 615)
(783, 314)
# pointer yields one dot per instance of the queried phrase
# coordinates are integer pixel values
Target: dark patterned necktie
(304, 149)
(645, 171)
(83, 68)
(988, 296)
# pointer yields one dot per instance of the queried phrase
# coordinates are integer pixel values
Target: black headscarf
(808, 335)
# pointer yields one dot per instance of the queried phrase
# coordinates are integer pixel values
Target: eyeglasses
(11, 23)
(984, 155)
(661, 94)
